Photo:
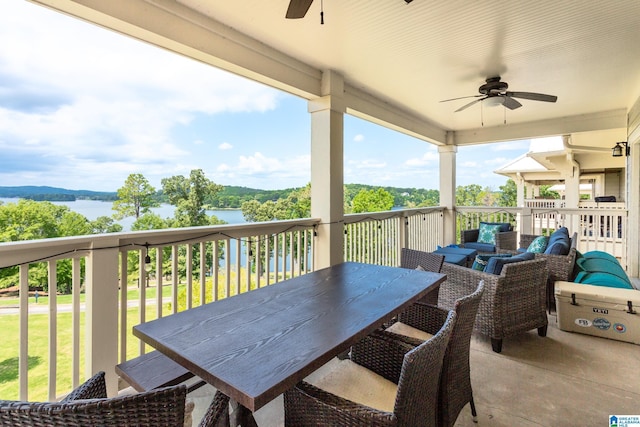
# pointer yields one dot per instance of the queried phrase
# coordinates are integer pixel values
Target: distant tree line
(192, 196)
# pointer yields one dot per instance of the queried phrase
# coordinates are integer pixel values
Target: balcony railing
(112, 289)
(86, 332)
(598, 228)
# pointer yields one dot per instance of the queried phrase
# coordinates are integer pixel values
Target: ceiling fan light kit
(493, 101)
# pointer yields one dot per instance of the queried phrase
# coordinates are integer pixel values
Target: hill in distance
(33, 192)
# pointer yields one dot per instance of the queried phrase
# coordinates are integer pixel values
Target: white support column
(101, 313)
(523, 219)
(520, 193)
(528, 191)
(633, 194)
(572, 183)
(448, 188)
(327, 166)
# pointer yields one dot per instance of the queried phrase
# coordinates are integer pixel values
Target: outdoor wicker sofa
(505, 239)
(513, 301)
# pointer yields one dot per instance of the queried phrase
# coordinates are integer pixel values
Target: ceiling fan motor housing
(493, 86)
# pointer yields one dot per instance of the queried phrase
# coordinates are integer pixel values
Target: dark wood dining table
(256, 345)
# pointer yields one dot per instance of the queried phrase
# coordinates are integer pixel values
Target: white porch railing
(192, 265)
(377, 238)
(111, 290)
(598, 228)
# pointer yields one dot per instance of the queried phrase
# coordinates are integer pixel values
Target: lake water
(92, 209)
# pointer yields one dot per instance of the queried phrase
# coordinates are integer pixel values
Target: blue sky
(82, 108)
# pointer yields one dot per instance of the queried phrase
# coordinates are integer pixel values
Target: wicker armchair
(411, 258)
(513, 302)
(88, 406)
(415, 370)
(560, 266)
(455, 381)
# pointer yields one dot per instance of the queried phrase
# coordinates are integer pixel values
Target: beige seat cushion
(351, 381)
(409, 331)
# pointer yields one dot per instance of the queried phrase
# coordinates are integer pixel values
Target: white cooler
(600, 311)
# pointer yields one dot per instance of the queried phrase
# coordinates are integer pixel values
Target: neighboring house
(577, 164)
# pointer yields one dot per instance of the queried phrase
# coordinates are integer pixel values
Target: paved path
(65, 308)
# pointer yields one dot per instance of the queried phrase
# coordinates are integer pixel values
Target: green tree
(469, 195)
(372, 201)
(104, 224)
(31, 220)
(296, 205)
(136, 197)
(508, 194)
(150, 221)
(548, 194)
(188, 195)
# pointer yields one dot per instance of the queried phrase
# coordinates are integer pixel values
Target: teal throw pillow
(481, 261)
(487, 233)
(538, 245)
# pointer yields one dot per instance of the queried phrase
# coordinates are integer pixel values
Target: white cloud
(225, 146)
(102, 104)
(498, 161)
(368, 164)
(260, 171)
(428, 158)
(358, 138)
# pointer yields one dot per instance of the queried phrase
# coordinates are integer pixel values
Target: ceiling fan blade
(462, 97)
(511, 103)
(464, 107)
(298, 8)
(533, 96)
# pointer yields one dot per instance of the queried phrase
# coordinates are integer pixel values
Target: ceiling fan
(298, 8)
(496, 93)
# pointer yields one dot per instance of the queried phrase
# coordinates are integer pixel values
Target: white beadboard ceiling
(586, 52)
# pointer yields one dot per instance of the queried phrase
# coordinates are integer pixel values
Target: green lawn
(39, 345)
(132, 294)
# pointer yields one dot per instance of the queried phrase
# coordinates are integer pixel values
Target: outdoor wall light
(619, 151)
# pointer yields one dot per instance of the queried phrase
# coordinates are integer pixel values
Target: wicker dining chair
(88, 406)
(455, 381)
(415, 371)
(427, 261)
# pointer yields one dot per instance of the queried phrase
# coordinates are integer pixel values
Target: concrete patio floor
(565, 379)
